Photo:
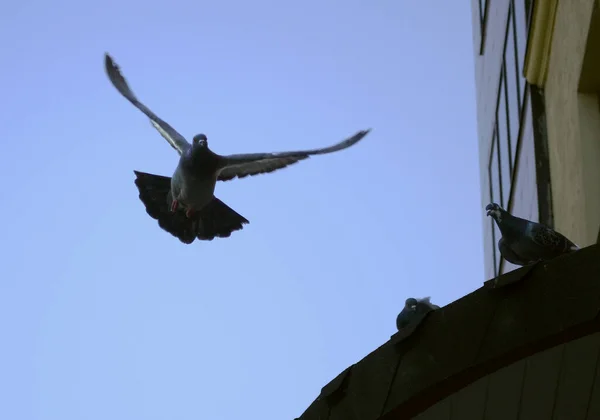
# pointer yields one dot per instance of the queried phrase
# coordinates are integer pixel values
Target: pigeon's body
(184, 204)
(413, 308)
(194, 180)
(525, 242)
(511, 256)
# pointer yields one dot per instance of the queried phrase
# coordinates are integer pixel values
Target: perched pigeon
(185, 205)
(524, 242)
(412, 309)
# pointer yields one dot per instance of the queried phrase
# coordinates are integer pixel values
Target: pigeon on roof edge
(524, 242)
(412, 309)
(184, 205)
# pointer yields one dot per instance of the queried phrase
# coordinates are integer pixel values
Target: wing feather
(176, 140)
(240, 166)
(549, 238)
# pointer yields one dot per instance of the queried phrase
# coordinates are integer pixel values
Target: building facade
(524, 353)
(537, 69)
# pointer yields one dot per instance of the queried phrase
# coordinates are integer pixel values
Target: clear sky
(105, 316)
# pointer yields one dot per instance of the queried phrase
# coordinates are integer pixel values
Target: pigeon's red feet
(174, 206)
(189, 213)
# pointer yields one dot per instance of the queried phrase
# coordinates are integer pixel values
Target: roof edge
(405, 377)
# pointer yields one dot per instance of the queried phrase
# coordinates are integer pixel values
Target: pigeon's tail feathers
(215, 220)
(155, 193)
(218, 220)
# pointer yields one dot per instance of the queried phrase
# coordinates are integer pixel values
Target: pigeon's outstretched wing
(176, 140)
(240, 166)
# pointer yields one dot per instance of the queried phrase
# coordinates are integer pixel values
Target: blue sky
(104, 315)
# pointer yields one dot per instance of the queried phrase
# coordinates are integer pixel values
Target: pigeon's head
(411, 304)
(495, 211)
(200, 140)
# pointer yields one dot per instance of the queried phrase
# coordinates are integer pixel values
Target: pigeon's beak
(489, 212)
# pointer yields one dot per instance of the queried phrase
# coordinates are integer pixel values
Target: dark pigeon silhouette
(185, 205)
(413, 308)
(525, 242)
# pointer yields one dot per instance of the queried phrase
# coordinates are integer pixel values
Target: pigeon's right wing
(240, 166)
(176, 140)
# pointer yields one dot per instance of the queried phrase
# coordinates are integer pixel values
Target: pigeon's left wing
(240, 166)
(176, 140)
(549, 238)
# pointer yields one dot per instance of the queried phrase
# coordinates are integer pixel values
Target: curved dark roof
(509, 318)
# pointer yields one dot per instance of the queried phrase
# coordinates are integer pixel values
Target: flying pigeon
(524, 242)
(185, 205)
(412, 309)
